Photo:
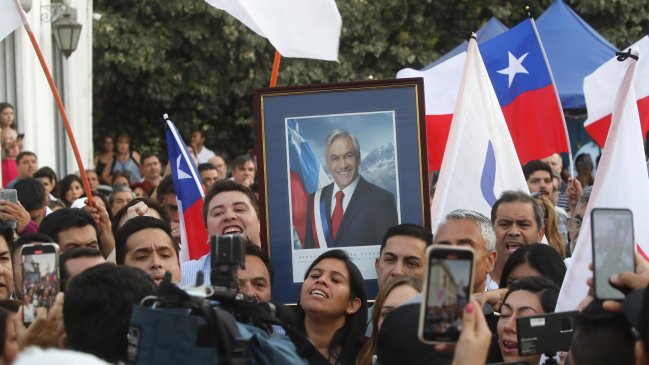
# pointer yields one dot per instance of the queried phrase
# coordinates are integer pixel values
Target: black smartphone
(12, 196)
(613, 248)
(40, 269)
(545, 333)
(447, 290)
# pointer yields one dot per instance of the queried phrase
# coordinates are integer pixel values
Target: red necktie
(338, 212)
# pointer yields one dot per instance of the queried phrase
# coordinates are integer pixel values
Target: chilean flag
(480, 161)
(307, 176)
(600, 95)
(189, 195)
(523, 85)
(621, 182)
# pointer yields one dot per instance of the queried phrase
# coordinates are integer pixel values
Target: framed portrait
(338, 164)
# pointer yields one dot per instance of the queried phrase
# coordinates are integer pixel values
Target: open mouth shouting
(233, 229)
(513, 246)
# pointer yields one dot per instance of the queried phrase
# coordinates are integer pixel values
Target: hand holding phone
(447, 290)
(613, 249)
(41, 279)
(12, 196)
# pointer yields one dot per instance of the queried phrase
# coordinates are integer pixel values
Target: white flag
(621, 182)
(599, 93)
(9, 18)
(480, 160)
(296, 28)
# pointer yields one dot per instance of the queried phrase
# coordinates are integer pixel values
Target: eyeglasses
(574, 224)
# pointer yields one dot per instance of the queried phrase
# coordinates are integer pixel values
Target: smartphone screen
(613, 248)
(12, 196)
(40, 269)
(448, 287)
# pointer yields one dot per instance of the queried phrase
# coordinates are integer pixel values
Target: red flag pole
(59, 102)
(273, 75)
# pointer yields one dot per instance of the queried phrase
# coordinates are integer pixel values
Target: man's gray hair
(486, 229)
(119, 189)
(337, 133)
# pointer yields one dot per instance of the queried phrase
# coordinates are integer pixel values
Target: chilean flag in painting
(523, 85)
(189, 195)
(307, 176)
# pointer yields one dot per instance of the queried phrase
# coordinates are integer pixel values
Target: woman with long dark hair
(332, 309)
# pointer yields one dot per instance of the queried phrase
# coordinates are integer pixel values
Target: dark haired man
(209, 174)
(229, 208)
(166, 196)
(32, 196)
(151, 169)
(27, 164)
(146, 243)
(518, 220)
(71, 227)
(97, 309)
(76, 260)
(403, 253)
(244, 170)
(255, 281)
(538, 176)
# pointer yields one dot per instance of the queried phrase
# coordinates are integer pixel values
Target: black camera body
(545, 333)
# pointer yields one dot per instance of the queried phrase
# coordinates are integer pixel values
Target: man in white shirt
(203, 154)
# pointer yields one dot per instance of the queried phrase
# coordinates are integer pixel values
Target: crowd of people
(119, 250)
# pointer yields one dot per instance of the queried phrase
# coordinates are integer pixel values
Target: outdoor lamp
(66, 33)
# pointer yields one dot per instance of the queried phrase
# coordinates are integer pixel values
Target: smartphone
(545, 333)
(613, 248)
(447, 289)
(40, 269)
(12, 196)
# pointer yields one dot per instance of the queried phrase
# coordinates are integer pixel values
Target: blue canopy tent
(574, 50)
(488, 30)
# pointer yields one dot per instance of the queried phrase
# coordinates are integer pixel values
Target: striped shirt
(189, 270)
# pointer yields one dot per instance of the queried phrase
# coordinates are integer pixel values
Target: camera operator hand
(10, 211)
(47, 330)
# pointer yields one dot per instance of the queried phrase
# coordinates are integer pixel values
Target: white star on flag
(181, 174)
(515, 67)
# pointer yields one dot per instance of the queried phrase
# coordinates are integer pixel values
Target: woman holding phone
(332, 309)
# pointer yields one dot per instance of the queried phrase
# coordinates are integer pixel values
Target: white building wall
(77, 70)
(35, 105)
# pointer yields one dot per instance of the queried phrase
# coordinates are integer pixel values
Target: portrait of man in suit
(351, 211)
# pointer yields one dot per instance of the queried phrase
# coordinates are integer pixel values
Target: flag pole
(275, 72)
(57, 98)
(554, 85)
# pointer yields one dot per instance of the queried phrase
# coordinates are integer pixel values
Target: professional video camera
(214, 324)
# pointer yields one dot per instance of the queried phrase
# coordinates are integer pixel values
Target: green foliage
(201, 65)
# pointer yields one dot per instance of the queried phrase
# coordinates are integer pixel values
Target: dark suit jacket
(371, 211)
